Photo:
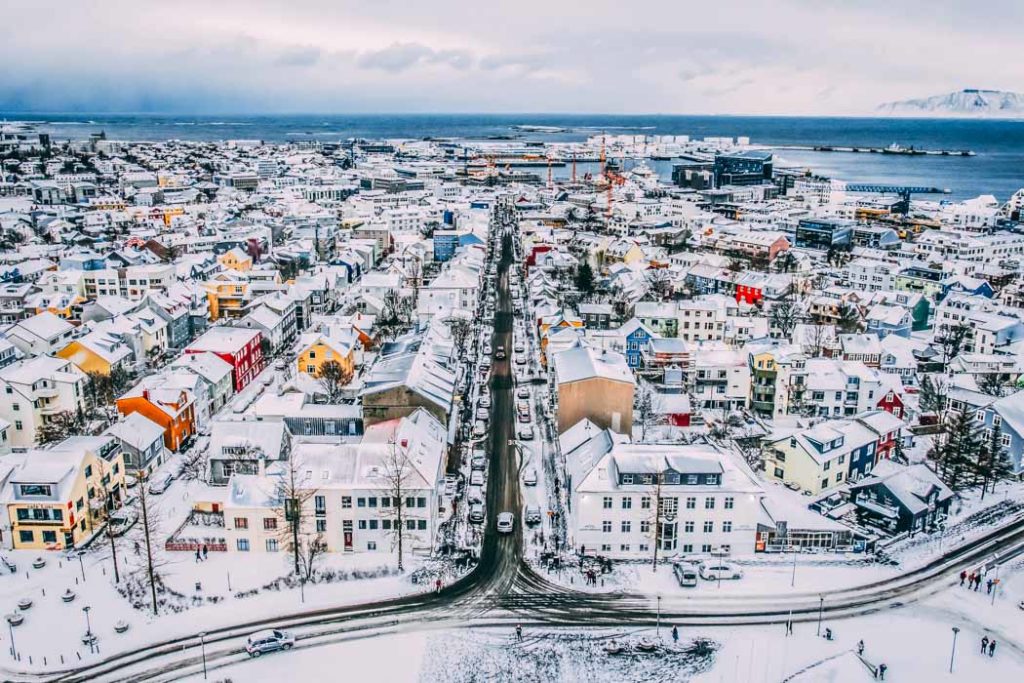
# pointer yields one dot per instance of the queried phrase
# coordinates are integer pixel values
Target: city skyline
(795, 57)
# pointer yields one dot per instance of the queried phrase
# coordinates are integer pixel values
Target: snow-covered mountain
(966, 102)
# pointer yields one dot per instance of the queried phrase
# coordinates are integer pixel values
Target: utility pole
(956, 630)
(202, 645)
(821, 607)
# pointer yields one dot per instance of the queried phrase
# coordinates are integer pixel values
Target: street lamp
(657, 626)
(821, 607)
(88, 624)
(10, 627)
(956, 630)
(202, 645)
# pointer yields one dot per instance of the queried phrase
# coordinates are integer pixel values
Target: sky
(799, 57)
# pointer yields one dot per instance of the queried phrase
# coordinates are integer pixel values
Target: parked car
(506, 522)
(524, 418)
(160, 484)
(482, 413)
(475, 494)
(500, 353)
(533, 515)
(479, 461)
(476, 513)
(480, 428)
(685, 573)
(122, 520)
(530, 477)
(525, 433)
(268, 641)
(523, 392)
(476, 478)
(485, 401)
(713, 571)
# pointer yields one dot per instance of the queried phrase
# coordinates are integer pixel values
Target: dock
(892, 149)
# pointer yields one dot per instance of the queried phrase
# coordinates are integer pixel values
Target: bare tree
(150, 524)
(311, 548)
(57, 427)
(293, 490)
(395, 474)
(333, 379)
(647, 408)
(460, 329)
(663, 513)
(107, 504)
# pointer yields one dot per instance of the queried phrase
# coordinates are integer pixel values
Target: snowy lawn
(53, 628)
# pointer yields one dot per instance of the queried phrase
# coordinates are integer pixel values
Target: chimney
(145, 394)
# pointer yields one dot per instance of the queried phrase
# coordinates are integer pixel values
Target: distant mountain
(969, 102)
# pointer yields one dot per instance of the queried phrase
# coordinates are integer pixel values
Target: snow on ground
(765, 575)
(53, 628)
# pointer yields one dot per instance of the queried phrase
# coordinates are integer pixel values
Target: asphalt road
(503, 589)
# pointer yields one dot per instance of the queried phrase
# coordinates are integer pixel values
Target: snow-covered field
(53, 628)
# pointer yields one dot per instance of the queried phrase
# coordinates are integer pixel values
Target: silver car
(269, 641)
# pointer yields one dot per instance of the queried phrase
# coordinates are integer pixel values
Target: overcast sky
(628, 56)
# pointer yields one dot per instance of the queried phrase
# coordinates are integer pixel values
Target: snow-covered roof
(581, 363)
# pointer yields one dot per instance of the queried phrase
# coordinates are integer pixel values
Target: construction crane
(903, 192)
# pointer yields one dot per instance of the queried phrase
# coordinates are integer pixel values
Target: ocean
(997, 168)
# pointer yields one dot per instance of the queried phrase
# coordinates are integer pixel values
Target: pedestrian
(790, 625)
(881, 670)
(437, 585)
(963, 577)
(205, 551)
(977, 583)
(988, 587)
(675, 634)
(992, 648)
(984, 644)
(198, 556)
(860, 647)
(519, 632)
(828, 634)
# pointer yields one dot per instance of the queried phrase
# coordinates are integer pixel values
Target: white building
(32, 391)
(705, 501)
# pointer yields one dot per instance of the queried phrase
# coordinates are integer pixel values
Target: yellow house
(96, 352)
(236, 259)
(227, 295)
(58, 496)
(318, 349)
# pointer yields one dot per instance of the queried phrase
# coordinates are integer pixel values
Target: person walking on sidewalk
(984, 644)
(963, 577)
(519, 632)
(860, 647)
(992, 648)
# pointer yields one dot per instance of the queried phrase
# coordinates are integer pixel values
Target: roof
(223, 340)
(582, 363)
(45, 325)
(136, 430)
(910, 484)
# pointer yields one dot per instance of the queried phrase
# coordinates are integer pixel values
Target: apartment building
(34, 390)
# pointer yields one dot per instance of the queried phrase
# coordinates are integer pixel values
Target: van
(685, 574)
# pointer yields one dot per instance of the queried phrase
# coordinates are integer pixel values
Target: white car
(506, 522)
(713, 571)
(523, 392)
(479, 429)
(482, 413)
(268, 641)
(485, 401)
(160, 484)
(476, 513)
(476, 478)
(526, 433)
(530, 477)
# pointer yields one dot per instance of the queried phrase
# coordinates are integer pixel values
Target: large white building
(351, 490)
(33, 391)
(700, 498)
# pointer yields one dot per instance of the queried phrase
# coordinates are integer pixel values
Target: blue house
(635, 336)
(1007, 415)
(448, 242)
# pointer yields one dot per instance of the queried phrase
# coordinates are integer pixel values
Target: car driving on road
(506, 522)
(268, 641)
(713, 571)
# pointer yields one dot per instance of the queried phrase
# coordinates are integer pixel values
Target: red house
(892, 402)
(241, 348)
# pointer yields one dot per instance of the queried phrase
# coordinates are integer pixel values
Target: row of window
(626, 527)
(666, 504)
(644, 547)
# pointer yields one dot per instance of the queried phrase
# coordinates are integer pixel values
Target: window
(626, 527)
(241, 522)
(421, 524)
(645, 527)
(371, 545)
(709, 527)
(824, 483)
(385, 524)
(643, 547)
(627, 478)
(17, 425)
(726, 527)
(709, 503)
(320, 504)
(421, 502)
(1005, 440)
(360, 502)
(410, 524)
(624, 547)
(606, 526)
(606, 548)
(627, 503)
(729, 502)
(410, 502)
(372, 501)
(687, 547)
(706, 548)
(15, 406)
(321, 526)
(645, 502)
(691, 503)
(373, 524)
(362, 524)
(688, 527)
(607, 503)
(346, 502)
(26, 536)
(242, 544)
(271, 545)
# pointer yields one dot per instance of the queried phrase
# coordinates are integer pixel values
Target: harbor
(891, 149)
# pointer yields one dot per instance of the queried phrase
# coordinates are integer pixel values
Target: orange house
(172, 409)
